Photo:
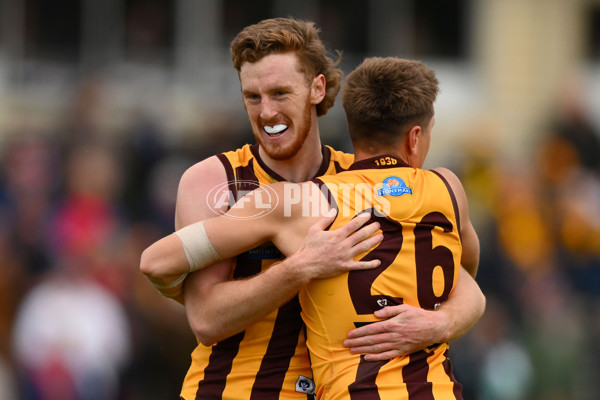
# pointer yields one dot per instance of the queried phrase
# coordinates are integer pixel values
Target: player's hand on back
(326, 253)
(404, 330)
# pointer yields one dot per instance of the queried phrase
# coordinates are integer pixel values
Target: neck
(360, 154)
(301, 167)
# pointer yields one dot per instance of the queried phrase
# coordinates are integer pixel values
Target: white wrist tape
(197, 246)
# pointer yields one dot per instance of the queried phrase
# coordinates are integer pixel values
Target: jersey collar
(379, 162)
(322, 169)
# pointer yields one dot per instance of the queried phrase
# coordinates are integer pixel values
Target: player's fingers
(363, 233)
(383, 340)
(365, 349)
(373, 344)
(358, 343)
(354, 224)
(367, 244)
(374, 349)
(390, 311)
(367, 330)
(386, 355)
(360, 265)
(325, 221)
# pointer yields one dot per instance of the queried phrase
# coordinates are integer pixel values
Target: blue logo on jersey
(394, 186)
(266, 251)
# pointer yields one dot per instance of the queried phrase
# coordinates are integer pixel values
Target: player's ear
(317, 89)
(413, 137)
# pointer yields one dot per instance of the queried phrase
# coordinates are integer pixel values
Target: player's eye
(252, 97)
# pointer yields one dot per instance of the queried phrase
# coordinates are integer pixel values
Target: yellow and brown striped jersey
(420, 258)
(269, 359)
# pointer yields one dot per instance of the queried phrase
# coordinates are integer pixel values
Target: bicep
(470, 253)
(303, 205)
(244, 226)
(253, 220)
(470, 241)
(204, 179)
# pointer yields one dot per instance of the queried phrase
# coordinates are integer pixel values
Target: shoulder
(239, 157)
(209, 170)
(454, 184)
(449, 176)
(216, 169)
(199, 184)
(344, 160)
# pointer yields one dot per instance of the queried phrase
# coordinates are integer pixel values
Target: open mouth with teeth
(275, 130)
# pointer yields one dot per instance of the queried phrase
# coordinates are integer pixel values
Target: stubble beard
(278, 152)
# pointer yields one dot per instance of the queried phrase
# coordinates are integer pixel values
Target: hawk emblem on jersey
(394, 186)
(305, 385)
(382, 302)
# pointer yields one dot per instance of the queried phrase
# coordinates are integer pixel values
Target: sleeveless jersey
(269, 360)
(420, 258)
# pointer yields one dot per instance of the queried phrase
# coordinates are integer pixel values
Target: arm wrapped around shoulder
(197, 246)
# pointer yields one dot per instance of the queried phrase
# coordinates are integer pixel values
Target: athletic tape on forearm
(172, 284)
(166, 290)
(197, 246)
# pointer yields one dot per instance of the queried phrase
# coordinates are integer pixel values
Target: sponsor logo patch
(393, 186)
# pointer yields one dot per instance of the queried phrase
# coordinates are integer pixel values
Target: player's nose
(267, 111)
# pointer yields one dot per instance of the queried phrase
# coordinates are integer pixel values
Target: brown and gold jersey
(269, 359)
(420, 258)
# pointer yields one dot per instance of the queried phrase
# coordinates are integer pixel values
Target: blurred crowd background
(104, 103)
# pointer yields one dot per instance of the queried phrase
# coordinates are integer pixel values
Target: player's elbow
(479, 303)
(205, 338)
(149, 263)
(157, 266)
(482, 302)
(205, 331)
